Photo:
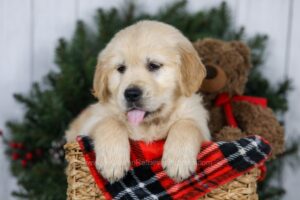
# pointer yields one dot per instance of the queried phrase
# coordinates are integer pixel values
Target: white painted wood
(293, 115)
(15, 69)
(52, 20)
(292, 177)
(195, 5)
(87, 9)
(267, 17)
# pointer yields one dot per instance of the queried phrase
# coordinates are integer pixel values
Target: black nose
(133, 94)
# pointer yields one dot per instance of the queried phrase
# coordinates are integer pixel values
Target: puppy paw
(179, 163)
(113, 165)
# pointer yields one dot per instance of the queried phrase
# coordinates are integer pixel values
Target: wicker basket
(81, 185)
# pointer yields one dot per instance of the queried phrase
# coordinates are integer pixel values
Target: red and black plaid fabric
(218, 163)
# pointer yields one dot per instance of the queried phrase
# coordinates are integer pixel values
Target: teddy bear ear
(244, 51)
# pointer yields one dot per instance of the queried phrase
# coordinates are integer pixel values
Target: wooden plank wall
(29, 30)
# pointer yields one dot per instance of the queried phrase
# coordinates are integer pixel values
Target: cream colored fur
(177, 113)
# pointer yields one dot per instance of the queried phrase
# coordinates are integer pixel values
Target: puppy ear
(192, 70)
(100, 84)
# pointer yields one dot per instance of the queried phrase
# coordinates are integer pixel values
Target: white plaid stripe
(256, 143)
(161, 194)
(152, 196)
(144, 187)
(247, 148)
(127, 191)
(156, 196)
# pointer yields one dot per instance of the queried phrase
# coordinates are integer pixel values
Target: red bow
(225, 100)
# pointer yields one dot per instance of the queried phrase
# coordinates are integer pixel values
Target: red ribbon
(263, 172)
(225, 100)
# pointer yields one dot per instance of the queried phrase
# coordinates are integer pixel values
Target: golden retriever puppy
(146, 79)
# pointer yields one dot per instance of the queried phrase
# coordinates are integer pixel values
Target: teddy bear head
(227, 65)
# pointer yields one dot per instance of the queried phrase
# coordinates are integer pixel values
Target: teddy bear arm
(257, 120)
(228, 133)
(216, 120)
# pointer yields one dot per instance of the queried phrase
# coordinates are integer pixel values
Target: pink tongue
(135, 117)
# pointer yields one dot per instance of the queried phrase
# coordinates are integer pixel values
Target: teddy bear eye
(121, 69)
(153, 66)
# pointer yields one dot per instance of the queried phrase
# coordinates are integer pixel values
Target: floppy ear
(100, 84)
(192, 70)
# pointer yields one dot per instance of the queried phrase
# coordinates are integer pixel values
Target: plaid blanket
(218, 163)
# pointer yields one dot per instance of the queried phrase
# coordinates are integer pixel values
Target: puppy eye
(152, 66)
(121, 69)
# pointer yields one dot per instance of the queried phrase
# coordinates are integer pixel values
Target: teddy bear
(232, 114)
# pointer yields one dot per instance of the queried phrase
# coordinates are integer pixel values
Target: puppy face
(145, 68)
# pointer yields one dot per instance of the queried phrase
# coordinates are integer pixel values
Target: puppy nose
(133, 94)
